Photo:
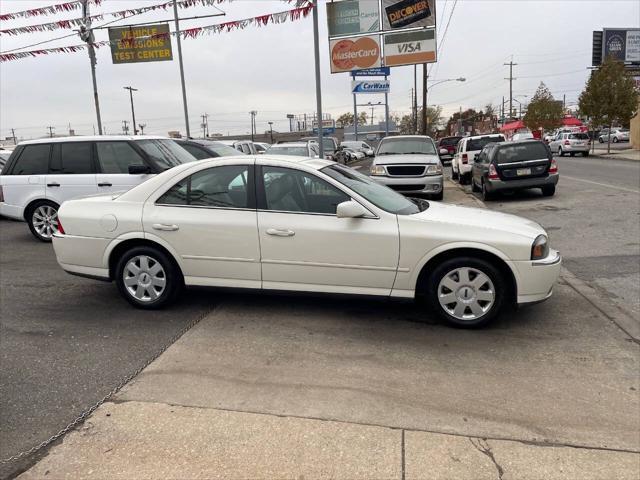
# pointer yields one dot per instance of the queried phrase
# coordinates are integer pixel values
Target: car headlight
(377, 170)
(434, 169)
(540, 248)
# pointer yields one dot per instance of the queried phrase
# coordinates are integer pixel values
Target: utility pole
(316, 54)
(141, 127)
(133, 113)
(184, 90)
(414, 100)
(86, 34)
(253, 114)
(271, 131)
(564, 101)
(51, 129)
(425, 79)
(511, 79)
(372, 107)
(502, 112)
(125, 127)
(205, 125)
(13, 135)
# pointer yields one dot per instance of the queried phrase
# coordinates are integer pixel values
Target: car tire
(585, 154)
(454, 174)
(548, 191)
(474, 187)
(600, 140)
(458, 278)
(572, 154)
(615, 140)
(560, 152)
(438, 196)
(42, 218)
(147, 278)
(486, 195)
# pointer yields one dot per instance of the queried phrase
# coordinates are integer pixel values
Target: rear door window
(197, 152)
(521, 153)
(34, 160)
(74, 158)
(115, 157)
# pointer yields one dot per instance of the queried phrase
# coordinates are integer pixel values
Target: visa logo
(409, 47)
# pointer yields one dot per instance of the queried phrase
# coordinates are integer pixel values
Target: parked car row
(467, 149)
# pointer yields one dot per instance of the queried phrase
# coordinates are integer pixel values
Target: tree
(434, 118)
(346, 119)
(543, 111)
(405, 125)
(609, 96)
(467, 119)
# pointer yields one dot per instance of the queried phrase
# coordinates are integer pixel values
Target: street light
(133, 113)
(425, 102)
(271, 131)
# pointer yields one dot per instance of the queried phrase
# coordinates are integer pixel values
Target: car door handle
(53, 184)
(105, 184)
(164, 227)
(280, 233)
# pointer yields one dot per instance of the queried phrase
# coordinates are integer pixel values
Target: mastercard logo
(349, 54)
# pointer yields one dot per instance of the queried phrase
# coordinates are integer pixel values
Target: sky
(271, 69)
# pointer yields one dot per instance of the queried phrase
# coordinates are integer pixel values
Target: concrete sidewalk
(629, 154)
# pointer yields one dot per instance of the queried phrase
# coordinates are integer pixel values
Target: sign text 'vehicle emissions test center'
(380, 33)
(142, 43)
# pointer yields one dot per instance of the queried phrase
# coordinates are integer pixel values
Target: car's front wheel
(466, 292)
(600, 140)
(147, 278)
(615, 140)
(42, 218)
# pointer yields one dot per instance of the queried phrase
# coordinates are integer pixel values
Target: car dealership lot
(556, 373)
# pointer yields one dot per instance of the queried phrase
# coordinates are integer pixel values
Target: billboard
(370, 86)
(398, 14)
(622, 44)
(352, 17)
(408, 48)
(142, 43)
(355, 53)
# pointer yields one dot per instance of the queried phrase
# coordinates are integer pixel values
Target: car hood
(402, 159)
(479, 217)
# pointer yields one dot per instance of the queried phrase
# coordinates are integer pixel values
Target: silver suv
(571, 143)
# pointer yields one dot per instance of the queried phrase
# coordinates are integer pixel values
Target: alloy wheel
(144, 278)
(45, 220)
(466, 293)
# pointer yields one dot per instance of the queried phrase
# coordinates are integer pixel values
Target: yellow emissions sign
(142, 43)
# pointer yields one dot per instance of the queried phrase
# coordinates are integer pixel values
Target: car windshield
(406, 146)
(522, 152)
(165, 154)
(297, 151)
(221, 149)
(579, 136)
(479, 143)
(381, 196)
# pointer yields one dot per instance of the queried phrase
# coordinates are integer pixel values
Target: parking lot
(561, 373)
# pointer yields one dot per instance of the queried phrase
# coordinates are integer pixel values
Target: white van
(468, 147)
(41, 174)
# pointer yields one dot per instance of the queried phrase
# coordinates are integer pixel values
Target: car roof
(490, 135)
(407, 137)
(94, 138)
(289, 144)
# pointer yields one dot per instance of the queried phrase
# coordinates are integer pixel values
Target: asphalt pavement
(65, 342)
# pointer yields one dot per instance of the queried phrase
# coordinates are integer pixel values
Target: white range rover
(41, 174)
(289, 223)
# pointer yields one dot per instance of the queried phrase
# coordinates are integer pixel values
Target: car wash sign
(408, 48)
(370, 86)
(142, 43)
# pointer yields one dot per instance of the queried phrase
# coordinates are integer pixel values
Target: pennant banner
(35, 12)
(262, 20)
(76, 22)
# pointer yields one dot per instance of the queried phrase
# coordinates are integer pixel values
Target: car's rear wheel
(474, 187)
(147, 278)
(466, 292)
(454, 174)
(573, 154)
(615, 140)
(549, 190)
(560, 152)
(486, 195)
(42, 218)
(585, 154)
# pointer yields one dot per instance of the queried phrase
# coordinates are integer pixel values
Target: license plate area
(521, 172)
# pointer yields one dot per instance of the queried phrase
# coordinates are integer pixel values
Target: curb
(613, 156)
(478, 202)
(606, 307)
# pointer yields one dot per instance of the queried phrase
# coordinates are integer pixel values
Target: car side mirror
(138, 169)
(351, 209)
(443, 151)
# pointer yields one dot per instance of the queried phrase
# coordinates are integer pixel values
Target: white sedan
(287, 223)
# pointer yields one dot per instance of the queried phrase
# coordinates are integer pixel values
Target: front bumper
(430, 184)
(502, 185)
(536, 278)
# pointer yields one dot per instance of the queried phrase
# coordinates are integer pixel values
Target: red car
(449, 144)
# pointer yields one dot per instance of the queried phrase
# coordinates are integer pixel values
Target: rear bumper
(431, 184)
(12, 211)
(576, 148)
(501, 185)
(81, 255)
(536, 278)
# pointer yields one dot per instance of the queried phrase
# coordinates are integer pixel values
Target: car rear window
(579, 136)
(521, 152)
(479, 143)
